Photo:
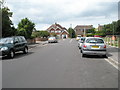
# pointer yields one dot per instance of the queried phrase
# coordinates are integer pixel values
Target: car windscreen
(94, 40)
(52, 38)
(6, 40)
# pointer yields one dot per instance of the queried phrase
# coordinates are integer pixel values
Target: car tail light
(105, 46)
(84, 46)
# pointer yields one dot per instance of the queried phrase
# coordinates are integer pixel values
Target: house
(60, 31)
(82, 29)
(100, 27)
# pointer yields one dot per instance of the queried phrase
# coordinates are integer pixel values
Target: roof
(83, 26)
(65, 31)
(55, 26)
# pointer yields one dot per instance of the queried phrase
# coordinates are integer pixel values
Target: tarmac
(113, 53)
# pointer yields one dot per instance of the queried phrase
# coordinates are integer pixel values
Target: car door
(16, 44)
(23, 42)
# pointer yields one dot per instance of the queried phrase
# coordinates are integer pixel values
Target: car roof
(12, 36)
(93, 37)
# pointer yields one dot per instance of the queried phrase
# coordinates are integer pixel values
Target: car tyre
(25, 51)
(11, 54)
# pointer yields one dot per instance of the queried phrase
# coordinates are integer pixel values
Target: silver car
(93, 46)
(80, 42)
(52, 39)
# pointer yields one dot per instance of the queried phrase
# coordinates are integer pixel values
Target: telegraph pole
(70, 25)
(84, 31)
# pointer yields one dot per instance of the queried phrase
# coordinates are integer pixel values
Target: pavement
(30, 46)
(113, 55)
(58, 65)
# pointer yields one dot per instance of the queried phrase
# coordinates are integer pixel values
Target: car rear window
(94, 40)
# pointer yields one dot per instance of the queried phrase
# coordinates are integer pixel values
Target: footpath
(114, 56)
(30, 46)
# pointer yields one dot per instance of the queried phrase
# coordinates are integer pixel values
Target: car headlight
(4, 48)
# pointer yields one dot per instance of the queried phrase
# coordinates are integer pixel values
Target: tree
(41, 34)
(25, 28)
(7, 26)
(117, 28)
(71, 33)
(92, 31)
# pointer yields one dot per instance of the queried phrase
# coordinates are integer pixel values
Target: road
(58, 65)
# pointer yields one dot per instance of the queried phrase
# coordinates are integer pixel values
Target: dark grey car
(10, 45)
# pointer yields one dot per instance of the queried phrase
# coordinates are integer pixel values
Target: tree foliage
(25, 28)
(7, 26)
(91, 31)
(112, 29)
(41, 34)
(71, 33)
(117, 28)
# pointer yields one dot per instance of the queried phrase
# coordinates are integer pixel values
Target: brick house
(81, 29)
(60, 31)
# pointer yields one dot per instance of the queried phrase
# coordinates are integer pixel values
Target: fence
(41, 39)
(113, 40)
(31, 41)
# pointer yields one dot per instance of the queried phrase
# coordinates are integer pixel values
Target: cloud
(47, 12)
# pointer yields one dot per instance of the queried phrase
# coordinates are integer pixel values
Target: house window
(56, 31)
(52, 31)
(59, 31)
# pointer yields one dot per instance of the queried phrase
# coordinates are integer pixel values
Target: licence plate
(95, 46)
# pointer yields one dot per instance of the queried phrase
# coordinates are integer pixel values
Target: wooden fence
(113, 40)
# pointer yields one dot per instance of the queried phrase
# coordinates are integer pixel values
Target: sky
(64, 12)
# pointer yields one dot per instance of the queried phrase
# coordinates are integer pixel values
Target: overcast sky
(65, 12)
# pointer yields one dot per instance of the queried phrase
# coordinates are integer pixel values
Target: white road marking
(70, 40)
(112, 64)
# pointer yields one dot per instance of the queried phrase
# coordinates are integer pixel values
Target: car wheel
(25, 51)
(11, 54)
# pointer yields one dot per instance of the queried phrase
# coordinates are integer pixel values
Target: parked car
(93, 46)
(52, 40)
(10, 45)
(80, 42)
(78, 38)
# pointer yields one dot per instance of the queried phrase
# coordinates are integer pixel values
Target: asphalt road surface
(58, 65)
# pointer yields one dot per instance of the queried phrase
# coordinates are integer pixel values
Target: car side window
(23, 39)
(16, 39)
(20, 40)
